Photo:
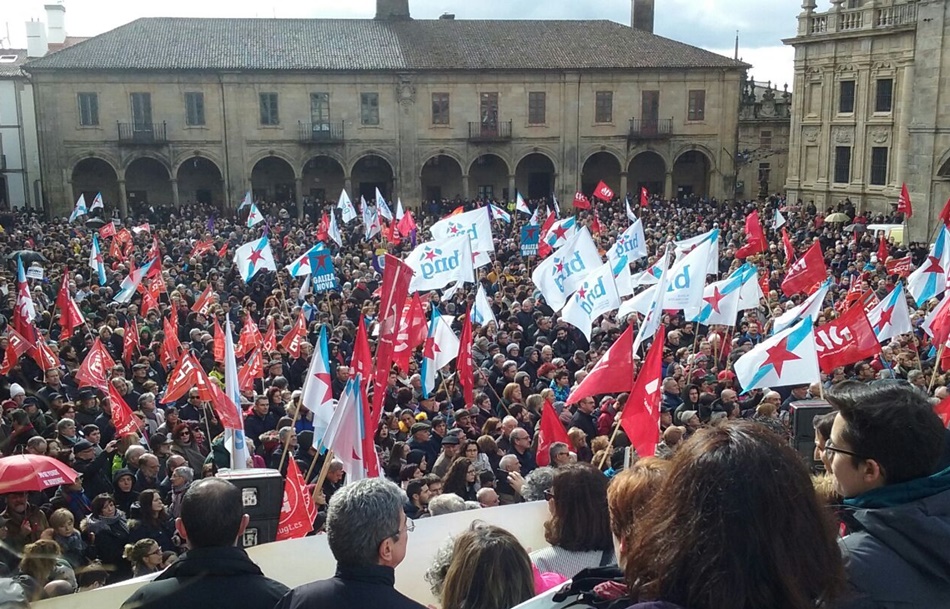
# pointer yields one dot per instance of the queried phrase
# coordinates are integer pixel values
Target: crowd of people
(725, 515)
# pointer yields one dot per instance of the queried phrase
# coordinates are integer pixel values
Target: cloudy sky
(711, 24)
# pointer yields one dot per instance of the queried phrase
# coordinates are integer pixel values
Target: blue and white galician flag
(400, 212)
(317, 389)
(630, 215)
(560, 232)
(131, 282)
(345, 431)
(596, 295)
(787, 358)
(248, 200)
(891, 317)
(253, 257)
(97, 202)
(810, 308)
(482, 312)
(498, 213)
(233, 439)
(685, 246)
(653, 316)
(631, 244)
(476, 224)
(561, 273)
(346, 206)
(721, 299)
(778, 220)
(80, 209)
(334, 230)
(436, 264)
(930, 279)
(254, 216)
(382, 208)
(520, 204)
(750, 292)
(623, 277)
(440, 348)
(300, 267)
(95, 260)
(688, 279)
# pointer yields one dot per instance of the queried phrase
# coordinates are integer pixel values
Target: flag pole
(613, 436)
(318, 487)
(310, 469)
(933, 377)
(293, 426)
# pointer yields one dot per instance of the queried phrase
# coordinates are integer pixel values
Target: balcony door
(320, 114)
(141, 115)
(488, 111)
(649, 111)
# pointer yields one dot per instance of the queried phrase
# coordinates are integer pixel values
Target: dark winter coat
(364, 587)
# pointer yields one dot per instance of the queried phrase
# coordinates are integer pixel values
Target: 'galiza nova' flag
(482, 312)
(560, 232)
(520, 204)
(323, 275)
(845, 340)
(685, 246)
(317, 391)
(931, 278)
(810, 308)
(631, 244)
(596, 295)
(80, 209)
(787, 358)
(476, 224)
(891, 317)
(436, 264)
(903, 202)
(806, 272)
(253, 257)
(95, 260)
(131, 282)
(254, 216)
(563, 272)
(346, 206)
(382, 208)
(603, 192)
(440, 348)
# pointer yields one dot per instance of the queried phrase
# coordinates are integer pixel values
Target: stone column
(511, 187)
(465, 187)
(623, 185)
(123, 201)
(348, 185)
(298, 185)
(226, 197)
(175, 198)
(668, 186)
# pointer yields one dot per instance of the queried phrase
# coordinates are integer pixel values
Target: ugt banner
(530, 236)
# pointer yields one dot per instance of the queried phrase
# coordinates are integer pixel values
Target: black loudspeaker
(262, 491)
(802, 414)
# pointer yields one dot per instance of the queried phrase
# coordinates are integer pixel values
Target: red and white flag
(95, 367)
(640, 418)
(603, 192)
(298, 511)
(125, 423)
(903, 202)
(580, 201)
(550, 431)
(806, 272)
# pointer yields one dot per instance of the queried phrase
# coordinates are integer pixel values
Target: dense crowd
(725, 515)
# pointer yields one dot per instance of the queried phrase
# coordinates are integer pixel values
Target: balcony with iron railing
(146, 134)
(321, 132)
(880, 16)
(650, 128)
(487, 132)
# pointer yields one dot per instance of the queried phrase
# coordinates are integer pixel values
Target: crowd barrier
(299, 561)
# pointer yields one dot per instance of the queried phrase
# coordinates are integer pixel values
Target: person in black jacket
(367, 530)
(97, 478)
(213, 572)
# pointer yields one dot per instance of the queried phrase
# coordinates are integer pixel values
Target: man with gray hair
(367, 530)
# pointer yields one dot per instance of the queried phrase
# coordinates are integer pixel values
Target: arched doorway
(93, 175)
(441, 178)
(534, 176)
(369, 173)
(691, 174)
(147, 183)
(323, 178)
(272, 180)
(601, 166)
(200, 181)
(488, 178)
(646, 170)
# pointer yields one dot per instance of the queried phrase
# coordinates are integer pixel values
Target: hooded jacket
(898, 554)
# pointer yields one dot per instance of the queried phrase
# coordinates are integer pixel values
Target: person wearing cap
(53, 383)
(450, 452)
(690, 420)
(420, 435)
(17, 393)
(463, 420)
(97, 477)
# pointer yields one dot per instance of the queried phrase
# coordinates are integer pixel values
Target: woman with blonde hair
(145, 555)
(489, 570)
(43, 564)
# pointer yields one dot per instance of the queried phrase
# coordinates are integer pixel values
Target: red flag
(595, 226)
(943, 411)
(218, 342)
(899, 266)
(406, 224)
(204, 302)
(297, 513)
(16, 347)
(201, 248)
(755, 237)
(580, 201)
(107, 230)
(806, 272)
(551, 431)
(903, 203)
(612, 373)
(70, 316)
(945, 213)
(250, 338)
(392, 234)
(881, 249)
(297, 335)
(125, 423)
(543, 248)
(44, 356)
(323, 229)
(412, 332)
(641, 414)
(465, 367)
(252, 369)
(644, 197)
(846, 340)
(941, 322)
(395, 289)
(270, 337)
(223, 251)
(63, 296)
(149, 301)
(362, 362)
(115, 250)
(789, 248)
(171, 346)
(603, 192)
(130, 342)
(181, 379)
(94, 371)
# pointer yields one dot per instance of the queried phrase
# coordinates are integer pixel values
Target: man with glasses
(367, 530)
(521, 448)
(884, 453)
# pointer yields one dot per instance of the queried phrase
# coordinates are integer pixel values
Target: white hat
(15, 390)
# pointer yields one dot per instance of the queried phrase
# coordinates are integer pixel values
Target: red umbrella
(21, 473)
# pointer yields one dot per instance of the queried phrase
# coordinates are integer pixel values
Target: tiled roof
(371, 45)
(11, 69)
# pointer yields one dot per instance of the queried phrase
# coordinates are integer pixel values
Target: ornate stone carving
(880, 135)
(405, 91)
(843, 135)
(811, 134)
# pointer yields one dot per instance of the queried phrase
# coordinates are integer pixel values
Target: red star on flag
(430, 255)
(256, 256)
(582, 293)
(715, 299)
(778, 355)
(453, 229)
(934, 267)
(559, 267)
(886, 315)
(559, 232)
(430, 349)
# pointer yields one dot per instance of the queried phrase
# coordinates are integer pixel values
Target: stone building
(868, 114)
(764, 123)
(178, 110)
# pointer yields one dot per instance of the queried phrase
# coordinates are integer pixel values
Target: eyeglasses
(471, 471)
(185, 433)
(155, 552)
(410, 527)
(548, 495)
(834, 449)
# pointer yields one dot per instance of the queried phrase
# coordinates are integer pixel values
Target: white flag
(80, 209)
(254, 216)
(630, 215)
(346, 206)
(810, 308)
(344, 431)
(253, 257)
(520, 205)
(640, 303)
(476, 224)
(371, 223)
(436, 264)
(559, 275)
(651, 322)
(317, 391)
(482, 312)
(382, 208)
(688, 279)
(248, 200)
(891, 316)
(596, 295)
(97, 202)
(399, 210)
(778, 221)
(233, 439)
(334, 230)
(787, 358)
(687, 245)
(631, 244)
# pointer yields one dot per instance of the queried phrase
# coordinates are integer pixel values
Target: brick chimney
(392, 10)
(641, 15)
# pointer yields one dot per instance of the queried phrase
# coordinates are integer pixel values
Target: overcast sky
(710, 24)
